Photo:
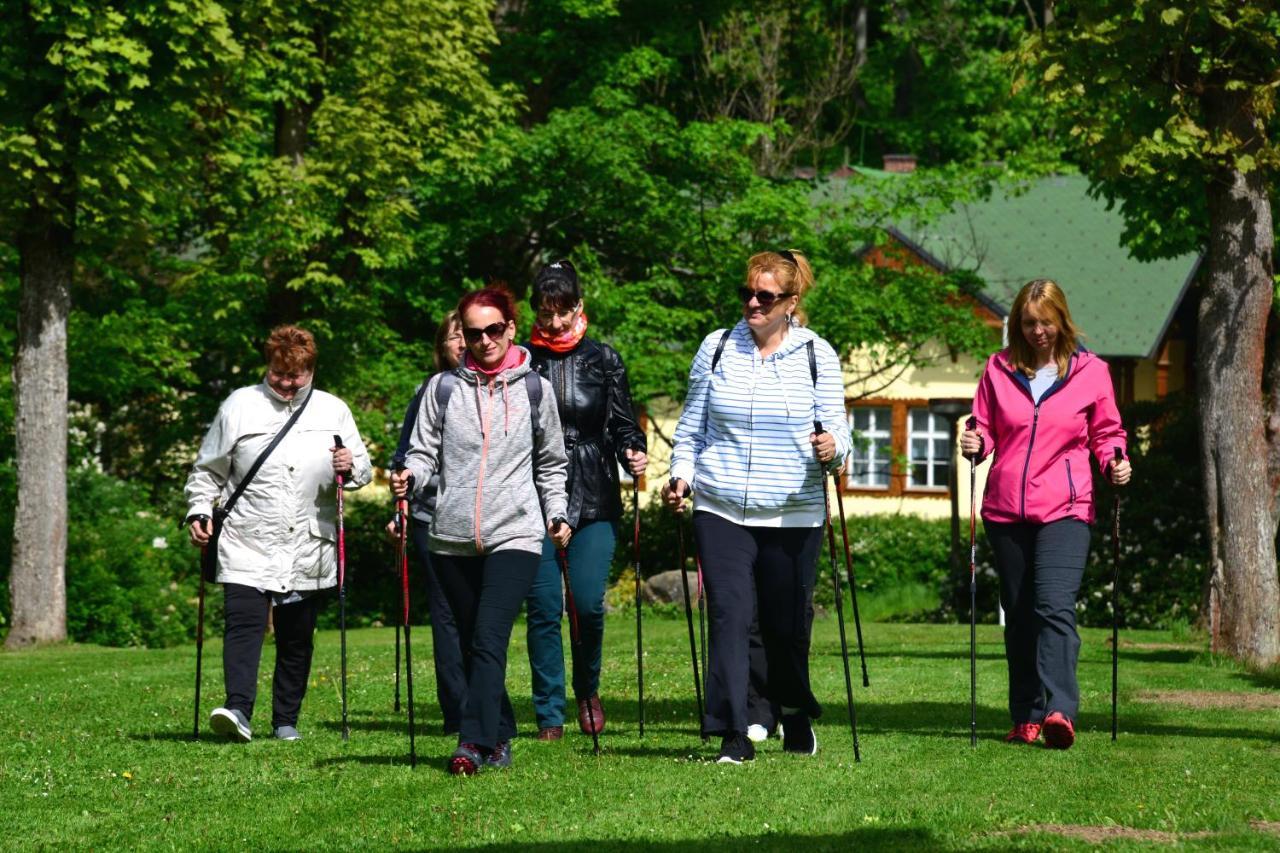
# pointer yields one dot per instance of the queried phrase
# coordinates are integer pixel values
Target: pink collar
(513, 358)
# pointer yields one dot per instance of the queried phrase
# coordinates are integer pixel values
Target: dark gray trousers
(1040, 568)
(446, 650)
(246, 612)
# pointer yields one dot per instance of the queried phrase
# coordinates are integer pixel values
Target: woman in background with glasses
(747, 448)
(495, 441)
(600, 433)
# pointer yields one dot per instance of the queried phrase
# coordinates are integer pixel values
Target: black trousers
(446, 650)
(765, 573)
(485, 594)
(1040, 568)
(247, 611)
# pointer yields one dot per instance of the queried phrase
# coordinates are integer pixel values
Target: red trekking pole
(342, 595)
(195, 726)
(574, 636)
(402, 562)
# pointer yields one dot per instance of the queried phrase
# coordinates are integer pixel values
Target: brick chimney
(901, 163)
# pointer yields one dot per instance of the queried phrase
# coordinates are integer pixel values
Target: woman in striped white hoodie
(749, 450)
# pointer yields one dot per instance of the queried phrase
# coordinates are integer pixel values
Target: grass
(97, 754)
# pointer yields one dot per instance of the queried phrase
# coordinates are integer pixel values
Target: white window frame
(865, 459)
(937, 429)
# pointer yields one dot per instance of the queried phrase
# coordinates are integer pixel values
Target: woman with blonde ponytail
(747, 450)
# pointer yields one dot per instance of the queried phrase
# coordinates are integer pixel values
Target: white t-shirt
(1043, 380)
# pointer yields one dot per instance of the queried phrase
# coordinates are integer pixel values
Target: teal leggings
(590, 556)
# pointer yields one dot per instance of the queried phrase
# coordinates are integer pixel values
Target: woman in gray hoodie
(499, 455)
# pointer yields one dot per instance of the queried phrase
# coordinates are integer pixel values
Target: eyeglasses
(764, 298)
(493, 331)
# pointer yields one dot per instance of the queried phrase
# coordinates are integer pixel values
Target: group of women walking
(510, 458)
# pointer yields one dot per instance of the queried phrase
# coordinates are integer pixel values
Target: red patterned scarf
(564, 341)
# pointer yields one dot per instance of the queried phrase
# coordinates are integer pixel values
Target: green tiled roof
(1056, 230)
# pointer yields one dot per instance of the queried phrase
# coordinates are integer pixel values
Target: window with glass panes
(929, 450)
(872, 448)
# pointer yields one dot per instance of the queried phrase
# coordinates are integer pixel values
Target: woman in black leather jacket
(600, 432)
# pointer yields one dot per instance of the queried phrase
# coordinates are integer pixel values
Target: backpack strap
(813, 362)
(724, 339)
(533, 386)
(444, 390)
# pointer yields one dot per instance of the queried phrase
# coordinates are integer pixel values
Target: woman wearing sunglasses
(600, 432)
(748, 449)
(501, 492)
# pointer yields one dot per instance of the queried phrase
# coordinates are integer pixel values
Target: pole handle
(971, 423)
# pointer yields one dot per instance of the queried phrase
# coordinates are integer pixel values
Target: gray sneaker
(232, 723)
(287, 733)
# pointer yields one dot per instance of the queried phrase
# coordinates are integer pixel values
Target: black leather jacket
(594, 401)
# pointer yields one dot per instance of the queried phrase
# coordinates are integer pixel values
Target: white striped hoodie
(742, 442)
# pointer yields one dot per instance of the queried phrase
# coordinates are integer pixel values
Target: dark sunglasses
(494, 331)
(764, 298)
(786, 255)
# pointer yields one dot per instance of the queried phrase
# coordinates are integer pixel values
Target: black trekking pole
(835, 583)
(635, 565)
(195, 726)
(848, 568)
(970, 425)
(688, 617)
(1115, 600)
(575, 635)
(402, 560)
(702, 620)
(342, 595)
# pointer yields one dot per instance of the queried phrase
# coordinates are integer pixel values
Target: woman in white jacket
(278, 545)
(747, 448)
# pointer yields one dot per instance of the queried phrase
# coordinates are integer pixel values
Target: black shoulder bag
(209, 560)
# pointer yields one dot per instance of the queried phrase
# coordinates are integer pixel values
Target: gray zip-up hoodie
(493, 479)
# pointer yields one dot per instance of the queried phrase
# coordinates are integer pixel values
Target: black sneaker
(736, 748)
(798, 736)
(500, 757)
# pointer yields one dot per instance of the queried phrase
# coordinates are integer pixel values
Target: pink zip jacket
(1041, 469)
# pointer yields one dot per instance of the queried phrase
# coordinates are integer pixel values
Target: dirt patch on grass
(1211, 699)
(1271, 826)
(1102, 834)
(1157, 647)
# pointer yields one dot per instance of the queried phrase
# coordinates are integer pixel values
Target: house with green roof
(1133, 313)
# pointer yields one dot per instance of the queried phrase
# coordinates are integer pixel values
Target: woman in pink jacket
(1043, 406)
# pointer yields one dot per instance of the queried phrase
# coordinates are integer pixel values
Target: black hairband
(786, 255)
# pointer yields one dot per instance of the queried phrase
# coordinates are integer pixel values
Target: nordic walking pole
(402, 562)
(635, 566)
(848, 568)
(972, 424)
(688, 617)
(575, 636)
(702, 620)
(835, 582)
(1115, 600)
(342, 595)
(195, 726)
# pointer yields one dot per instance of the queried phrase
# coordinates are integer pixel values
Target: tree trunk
(1243, 591)
(37, 580)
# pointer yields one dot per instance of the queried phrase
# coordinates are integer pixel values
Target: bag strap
(226, 508)
(724, 339)
(533, 386)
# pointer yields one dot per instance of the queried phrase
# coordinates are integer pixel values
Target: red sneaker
(1059, 733)
(1023, 733)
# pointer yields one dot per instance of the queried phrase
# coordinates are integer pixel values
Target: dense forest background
(217, 168)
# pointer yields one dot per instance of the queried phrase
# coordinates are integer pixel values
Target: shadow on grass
(871, 838)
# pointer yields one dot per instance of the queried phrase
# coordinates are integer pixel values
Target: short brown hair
(789, 269)
(290, 349)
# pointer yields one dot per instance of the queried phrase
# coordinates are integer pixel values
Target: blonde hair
(1045, 293)
(789, 269)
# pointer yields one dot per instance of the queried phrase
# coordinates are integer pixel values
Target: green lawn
(97, 754)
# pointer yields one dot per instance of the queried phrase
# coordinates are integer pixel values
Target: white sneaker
(757, 733)
(230, 722)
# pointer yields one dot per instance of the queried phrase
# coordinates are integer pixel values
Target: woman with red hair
(487, 430)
